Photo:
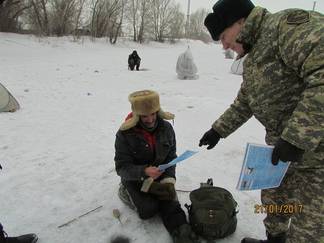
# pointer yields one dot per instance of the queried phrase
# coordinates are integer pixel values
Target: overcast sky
(271, 5)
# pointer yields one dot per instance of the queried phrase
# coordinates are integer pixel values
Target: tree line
(139, 20)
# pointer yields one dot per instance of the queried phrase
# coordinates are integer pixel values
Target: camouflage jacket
(283, 80)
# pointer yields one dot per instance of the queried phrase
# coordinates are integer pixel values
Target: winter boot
(184, 234)
(120, 239)
(29, 238)
(280, 238)
(124, 196)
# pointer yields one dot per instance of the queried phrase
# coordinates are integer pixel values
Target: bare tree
(10, 11)
(137, 12)
(55, 17)
(95, 9)
(107, 18)
(37, 16)
(143, 16)
(133, 10)
(162, 14)
(157, 19)
(64, 14)
(78, 23)
(176, 23)
(197, 29)
(115, 21)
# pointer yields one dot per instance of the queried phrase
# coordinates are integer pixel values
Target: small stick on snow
(69, 222)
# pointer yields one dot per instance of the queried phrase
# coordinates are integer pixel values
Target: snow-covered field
(57, 151)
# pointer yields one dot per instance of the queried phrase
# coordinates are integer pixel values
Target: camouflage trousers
(297, 206)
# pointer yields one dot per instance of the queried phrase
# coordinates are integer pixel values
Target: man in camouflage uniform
(283, 87)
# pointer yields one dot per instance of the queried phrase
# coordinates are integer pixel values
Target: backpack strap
(188, 207)
(209, 183)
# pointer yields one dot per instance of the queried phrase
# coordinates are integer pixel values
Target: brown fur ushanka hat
(143, 103)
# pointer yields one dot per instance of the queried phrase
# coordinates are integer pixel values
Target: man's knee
(131, 64)
(148, 211)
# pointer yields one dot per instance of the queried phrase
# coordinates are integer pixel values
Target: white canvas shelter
(7, 101)
(186, 68)
(237, 66)
(229, 54)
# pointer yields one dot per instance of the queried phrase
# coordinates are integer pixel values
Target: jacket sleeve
(124, 162)
(171, 171)
(302, 49)
(235, 116)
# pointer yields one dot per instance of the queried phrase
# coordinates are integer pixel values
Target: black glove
(163, 191)
(285, 151)
(211, 138)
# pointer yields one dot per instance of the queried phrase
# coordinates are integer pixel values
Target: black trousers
(148, 205)
(134, 63)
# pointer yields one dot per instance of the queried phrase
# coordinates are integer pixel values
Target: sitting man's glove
(285, 151)
(163, 191)
(211, 138)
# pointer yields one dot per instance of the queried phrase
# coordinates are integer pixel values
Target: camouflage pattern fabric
(301, 198)
(283, 83)
(283, 87)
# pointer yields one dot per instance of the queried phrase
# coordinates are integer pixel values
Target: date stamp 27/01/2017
(278, 208)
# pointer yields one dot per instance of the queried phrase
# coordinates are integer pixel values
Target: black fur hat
(226, 13)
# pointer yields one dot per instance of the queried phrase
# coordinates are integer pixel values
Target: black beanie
(226, 13)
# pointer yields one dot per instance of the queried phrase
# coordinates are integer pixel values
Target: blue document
(183, 156)
(257, 171)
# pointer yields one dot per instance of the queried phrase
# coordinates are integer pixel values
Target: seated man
(29, 238)
(134, 61)
(145, 141)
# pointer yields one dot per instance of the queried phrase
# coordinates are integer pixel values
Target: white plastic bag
(237, 66)
(186, 68)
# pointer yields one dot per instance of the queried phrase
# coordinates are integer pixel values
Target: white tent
(229, 54)
(7, 101)
(237, 66)
(186, 68)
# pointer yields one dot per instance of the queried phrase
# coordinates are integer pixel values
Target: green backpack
(212, 213)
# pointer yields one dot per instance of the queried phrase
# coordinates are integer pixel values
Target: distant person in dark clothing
(134, 61)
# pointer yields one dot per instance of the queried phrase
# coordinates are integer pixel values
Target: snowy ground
(57, 151)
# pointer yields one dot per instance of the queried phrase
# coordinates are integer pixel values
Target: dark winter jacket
(134, 59)
(133, 153)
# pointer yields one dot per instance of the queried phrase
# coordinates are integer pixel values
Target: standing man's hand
(210, 138)
(285, 151)
(153, 172)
